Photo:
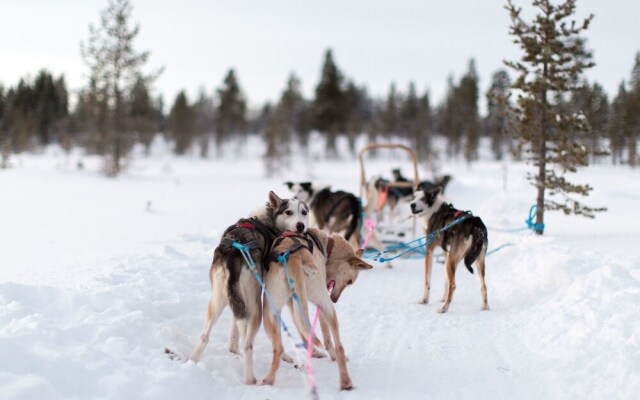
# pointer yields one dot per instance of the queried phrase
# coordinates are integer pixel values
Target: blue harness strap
(245, 250)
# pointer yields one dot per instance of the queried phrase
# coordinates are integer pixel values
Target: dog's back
(336, 211)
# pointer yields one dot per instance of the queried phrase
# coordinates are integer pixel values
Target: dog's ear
(289, 184)
(356, 262)
(274, 200)
(306, 185)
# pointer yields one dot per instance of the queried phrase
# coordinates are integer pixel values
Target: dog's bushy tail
(478, 242)
(236, 300)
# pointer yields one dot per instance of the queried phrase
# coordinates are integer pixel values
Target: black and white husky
(331, 211)
(466, 240)
(234, 284)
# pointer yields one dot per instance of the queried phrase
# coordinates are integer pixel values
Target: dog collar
(330, 243)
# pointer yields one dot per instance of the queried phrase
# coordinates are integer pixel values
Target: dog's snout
(300, 227)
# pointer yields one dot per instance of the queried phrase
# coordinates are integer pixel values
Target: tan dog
(336, 261)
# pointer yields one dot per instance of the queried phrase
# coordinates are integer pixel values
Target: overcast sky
(375, 42)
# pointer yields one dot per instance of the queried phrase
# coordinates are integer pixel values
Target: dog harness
(309, 238)
(255, 226)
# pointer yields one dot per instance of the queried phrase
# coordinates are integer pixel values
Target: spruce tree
(422, 128)
(592, 101)
(354, 119)
(618, 123)
(328, 107)
(230, 112)
(496, 122)
(204, 123)
(467, 103)
(141, 114)
(181, 124)
(450, 121)
(391, 114)
(632, 112)
(4, 142)
(554, 58)
(409, 112)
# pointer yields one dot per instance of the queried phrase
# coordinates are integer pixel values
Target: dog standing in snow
(319, 261)
(234, 284)
(466, 240)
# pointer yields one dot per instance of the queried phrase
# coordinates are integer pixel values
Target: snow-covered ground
(99, 275)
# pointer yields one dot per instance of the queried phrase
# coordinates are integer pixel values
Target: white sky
(376, 42)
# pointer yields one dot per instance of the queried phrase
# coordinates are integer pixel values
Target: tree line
(116, 110)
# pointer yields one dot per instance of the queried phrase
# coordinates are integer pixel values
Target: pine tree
(633, 113)
(618, 123)
(277, 137)
(451, 124)
(204, 115)
(498, 105)
(181, 124)
(114, 67)
(592, 102)
(4, 142)
(467, 102)
(554, 57)
(141, 114)
(355, 99)
(329, 116)
(423, 127)
(21, 116)
(230, 112)
(409, 112)
(391, 114)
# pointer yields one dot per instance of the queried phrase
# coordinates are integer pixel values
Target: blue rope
(427, 240)
(246, 254)
(283, 260)
(531, 225)
(499, 248)
(533, 213)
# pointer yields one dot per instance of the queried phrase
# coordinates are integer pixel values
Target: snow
(95, 282)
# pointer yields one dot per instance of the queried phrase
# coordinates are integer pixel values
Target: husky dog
(234, 284)
(331, 261)
(332, 211)
(466, 240)
(395, 195)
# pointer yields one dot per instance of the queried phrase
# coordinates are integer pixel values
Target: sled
(391, 227)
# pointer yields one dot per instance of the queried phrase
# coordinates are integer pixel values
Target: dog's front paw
(442, 309)
(485, 307)
(317, 353)
(346, 384)
(268, 380)
(423, 301)
(287, 358)
(251, 380)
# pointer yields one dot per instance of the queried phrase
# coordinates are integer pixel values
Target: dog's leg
(428, 263)
(326, 336)
(234, 337)
(278, 289)
(450, 268)
(483, 287)
(272, 328)
(301, 317)
(216, 304)
(249, 328)
(332, 318)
